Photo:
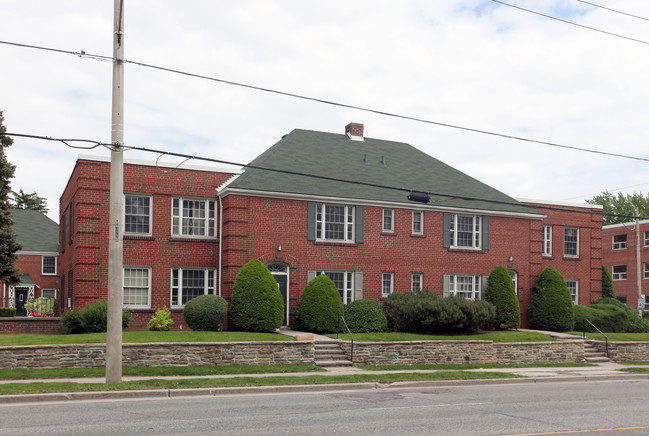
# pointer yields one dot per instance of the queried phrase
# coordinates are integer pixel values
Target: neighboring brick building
(37, 260)
(189, 230)
(620, 254)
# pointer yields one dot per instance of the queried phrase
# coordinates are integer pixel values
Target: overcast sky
(475, 64)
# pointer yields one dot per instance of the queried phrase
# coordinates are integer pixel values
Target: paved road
(617, 408)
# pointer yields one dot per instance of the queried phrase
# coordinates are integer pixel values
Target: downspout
(220, 270)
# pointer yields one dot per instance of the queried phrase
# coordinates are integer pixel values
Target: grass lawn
(45, 387)
(152, 371)
(500, 336)
(141, 337)
(473, 366)
(617, 337)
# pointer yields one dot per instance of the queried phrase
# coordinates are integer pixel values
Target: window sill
(191, 239)
(337, 243)
(465, 250)
(572, 258)
(139, 237)
(384, 233)
(548, 257)
(417, 235)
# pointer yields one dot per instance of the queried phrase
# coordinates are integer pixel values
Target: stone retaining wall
(159, 354)
(462, 352)
(623, 351)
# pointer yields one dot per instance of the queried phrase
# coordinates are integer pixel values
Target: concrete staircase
(592, 353)
(328, 354)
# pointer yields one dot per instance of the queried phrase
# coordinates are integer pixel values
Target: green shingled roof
(36, 232)
(376, 161)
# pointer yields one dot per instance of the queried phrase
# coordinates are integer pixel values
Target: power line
(571, 22)
(614, 10)
(338, 104)
(315, 176)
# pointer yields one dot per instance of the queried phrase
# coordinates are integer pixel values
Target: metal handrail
(600, 332)
(350, 335)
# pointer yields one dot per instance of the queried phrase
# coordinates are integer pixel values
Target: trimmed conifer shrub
(606, 317)
(365, 316)
(257, 304)
(320, 307)
(608, 291)
(204, 313)
(551, 307)
(501, 293)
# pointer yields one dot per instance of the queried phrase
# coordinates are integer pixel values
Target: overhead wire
(446, 197)
(338, 104)
(614, 10)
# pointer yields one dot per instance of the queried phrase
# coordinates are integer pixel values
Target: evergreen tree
(33, 201)
(607, 284)
(551, 306)
(8, 242)
(501, 293)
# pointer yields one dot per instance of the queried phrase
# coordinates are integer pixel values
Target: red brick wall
(45, 326)
(627, 256)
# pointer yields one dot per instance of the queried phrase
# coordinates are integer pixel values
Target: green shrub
(634, 323)
(320, 307)
(366, 316)
(71, 320)
(7, 311)
(551, 306)
(428, 313)
(257, 304)
(501, 293)
(205, 313)
(161, 321)
(608, 291)
(606, 317)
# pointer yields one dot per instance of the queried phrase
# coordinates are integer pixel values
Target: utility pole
(115, 243)
(638, 264)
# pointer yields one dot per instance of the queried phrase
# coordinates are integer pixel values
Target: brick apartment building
(189, 230)
(37, 260)
(621, 257)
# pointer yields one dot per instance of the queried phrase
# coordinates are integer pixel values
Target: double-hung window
(619, 242)
(547, 240)
(571, 242)
(417, 222)
(416, 282)
(49, 266)
(334, 222)
(388, 220)
(137, 286)
(646, 238)
(619, 272)
(344, 281)
(467, 286)
(191, 217)
(137, 214)
(187, 283)
(388, 283)
(573, 287)
(646, 270)
(466, 231)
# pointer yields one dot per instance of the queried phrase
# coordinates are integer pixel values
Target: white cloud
(469, 63)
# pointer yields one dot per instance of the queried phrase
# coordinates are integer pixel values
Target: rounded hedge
(366, 316)
(257, 303)
(320, 307)
(501, 293)
(551, 307)
(205, 313)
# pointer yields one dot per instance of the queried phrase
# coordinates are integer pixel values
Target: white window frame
(137, 286)
(209, 284)
(619, 245)
(388, 220)
(573, 288)
(646, 270)
(547, 241)
(475, 293)
(416, 282)
(646, 238)
(149, 215)
(347, 292)
(48, 289)
(387, 283)
(348, 223)
(420, 222)
(619, 275)
(43, 265)
(476, 231)
(566, 242)
(180, 206)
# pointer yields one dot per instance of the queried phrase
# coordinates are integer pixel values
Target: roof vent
(354, 131)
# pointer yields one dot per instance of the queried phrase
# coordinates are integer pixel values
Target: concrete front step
(328, 354)
(330, 363)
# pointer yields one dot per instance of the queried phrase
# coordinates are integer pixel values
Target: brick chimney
(354, 131)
